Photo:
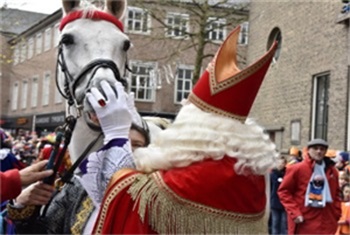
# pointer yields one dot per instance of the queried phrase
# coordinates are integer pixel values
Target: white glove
(113, 113)
(135, 116)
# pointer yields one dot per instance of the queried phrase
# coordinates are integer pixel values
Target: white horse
(93, 47)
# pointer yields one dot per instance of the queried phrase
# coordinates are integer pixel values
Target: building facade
(305, 94)
(162, 70)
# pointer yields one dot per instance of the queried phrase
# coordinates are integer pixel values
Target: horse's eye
(126, 45)
(67, 39)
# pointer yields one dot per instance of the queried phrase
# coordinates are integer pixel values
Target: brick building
(306, 91)
(162, 71)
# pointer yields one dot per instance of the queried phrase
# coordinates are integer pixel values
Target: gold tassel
(171, 214)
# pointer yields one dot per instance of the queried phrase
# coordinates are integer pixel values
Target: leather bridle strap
(70, 172)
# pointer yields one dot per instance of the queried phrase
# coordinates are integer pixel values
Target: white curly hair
(196, 135)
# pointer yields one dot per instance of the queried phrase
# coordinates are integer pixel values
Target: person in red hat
(206, 172)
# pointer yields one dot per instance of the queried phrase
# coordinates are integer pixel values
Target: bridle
(70, 83)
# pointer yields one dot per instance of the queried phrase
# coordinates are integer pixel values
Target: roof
(15, 21)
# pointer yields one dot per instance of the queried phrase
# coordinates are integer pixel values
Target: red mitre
(224, 88)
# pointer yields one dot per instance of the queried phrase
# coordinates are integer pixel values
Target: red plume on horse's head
(225, 89)
(114, 12)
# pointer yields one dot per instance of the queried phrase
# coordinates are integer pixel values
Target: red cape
(205, 197)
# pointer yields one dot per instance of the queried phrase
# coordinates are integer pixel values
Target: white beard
(196, 135)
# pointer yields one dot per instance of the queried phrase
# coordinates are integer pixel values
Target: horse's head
(93, 47)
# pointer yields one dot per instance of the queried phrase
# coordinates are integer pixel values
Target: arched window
(275, 35)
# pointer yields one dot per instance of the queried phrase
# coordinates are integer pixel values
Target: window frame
(23, 54)
(295, 132)
(211, 30)
(151, 66)
(319, 102)
(15, 93)
(16, 54)
(144, 13)
(24, 94)
(56, 35)
(176, 83)
(35, 92)
(243, 38)
(45, 101)
(48, 39)
(30, 48)
(184, 17)
(38, 43)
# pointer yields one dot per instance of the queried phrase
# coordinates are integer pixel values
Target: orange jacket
(344, 222)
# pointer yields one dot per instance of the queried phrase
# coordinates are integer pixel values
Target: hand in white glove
(135, 116)
(112, 111)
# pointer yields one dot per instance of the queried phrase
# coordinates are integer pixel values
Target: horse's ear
(69, 5)
(116, 8)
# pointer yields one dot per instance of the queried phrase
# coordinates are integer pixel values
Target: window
(141, 83)
(15, 96)
(56, 34)
(34, 94)
(183, 84)
(16, 55)
(47, 42)
(138, 20)
(295, 132)
(177, 24)
(58, 96)
(24, 94)
(320, 106)
(39, 43)
(243, 35)
(23, 51)
(46, 89)
(216, 29)
(275, 35)
(276, 136)
(30, 48)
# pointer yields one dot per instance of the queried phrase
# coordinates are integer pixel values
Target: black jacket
(276, 177)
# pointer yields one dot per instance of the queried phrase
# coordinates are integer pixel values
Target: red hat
(224, 88)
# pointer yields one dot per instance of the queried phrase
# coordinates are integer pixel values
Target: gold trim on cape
(111, 196)
(170, 214)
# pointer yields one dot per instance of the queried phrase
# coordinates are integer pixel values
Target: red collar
(97, 15)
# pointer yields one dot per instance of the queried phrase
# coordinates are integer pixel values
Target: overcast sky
(42, 6)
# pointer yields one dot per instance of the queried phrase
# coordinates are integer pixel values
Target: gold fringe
(171, 214)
